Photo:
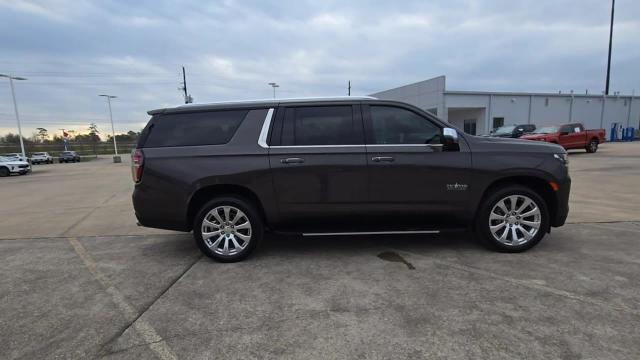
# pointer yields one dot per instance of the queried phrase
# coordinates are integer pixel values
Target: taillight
(137, 161)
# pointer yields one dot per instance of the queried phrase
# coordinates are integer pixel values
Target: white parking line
(142, 328)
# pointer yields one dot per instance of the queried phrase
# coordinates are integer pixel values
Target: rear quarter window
(192, 129)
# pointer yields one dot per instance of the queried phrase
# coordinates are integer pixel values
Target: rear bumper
(562, 200)
(154, 211)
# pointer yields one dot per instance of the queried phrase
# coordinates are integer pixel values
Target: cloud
(71, 51)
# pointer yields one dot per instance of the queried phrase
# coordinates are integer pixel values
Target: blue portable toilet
(614, 132)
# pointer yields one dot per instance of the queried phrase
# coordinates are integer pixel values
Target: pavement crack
(143, 329)
(85, 216)
(132, 323)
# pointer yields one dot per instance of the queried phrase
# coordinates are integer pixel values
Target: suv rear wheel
(228, 229)
(512, 219)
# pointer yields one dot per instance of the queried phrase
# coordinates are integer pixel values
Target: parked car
(41, 158)
(68, 156)
(513, 131)
(339, 166)
(16, 156)
(10, 166)
(570, 136)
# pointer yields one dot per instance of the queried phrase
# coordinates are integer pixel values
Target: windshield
(505, 129)
(547, 130)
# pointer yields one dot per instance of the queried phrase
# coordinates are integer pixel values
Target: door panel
(417, 184)
(319, 165)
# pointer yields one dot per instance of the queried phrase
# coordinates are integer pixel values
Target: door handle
(382, 158)
(292, 161)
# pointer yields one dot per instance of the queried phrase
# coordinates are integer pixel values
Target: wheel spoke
(217, 216)
(503, 237)
(533, 224)
(239, 215)
(225, 249)
(532, 212)
(206, 222)
(244, 225)
(494, 216)
(495, 228)
(209, 235)
(243, 236)
(503, 206)
(236, 244)
(524, 205)
(513, 200)
(514, 236)
(217, 242)
(527, 235)
(226, 210)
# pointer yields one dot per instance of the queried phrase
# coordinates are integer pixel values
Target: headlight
(563, 158)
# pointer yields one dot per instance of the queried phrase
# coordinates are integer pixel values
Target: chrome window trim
(262, 139)
(314, 146)
(408, 145)
(373, 233)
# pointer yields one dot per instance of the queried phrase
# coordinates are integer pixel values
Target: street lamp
(116, 158)
(15, 107)
(274, 86)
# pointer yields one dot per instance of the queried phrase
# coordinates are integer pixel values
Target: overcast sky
(71, 51)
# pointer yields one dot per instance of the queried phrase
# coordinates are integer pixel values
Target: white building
(478, 112)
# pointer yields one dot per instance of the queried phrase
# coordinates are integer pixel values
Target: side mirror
(450, 140)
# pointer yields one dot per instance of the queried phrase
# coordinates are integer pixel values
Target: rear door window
(191, 129)
(321, 125)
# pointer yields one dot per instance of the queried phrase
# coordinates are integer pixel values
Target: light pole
(116, 158)
(606, 86)
(15, 107)
(274, 86)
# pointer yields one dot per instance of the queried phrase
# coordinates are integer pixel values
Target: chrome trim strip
(374, 233)
(262, 139)
(315, 146)
(407, 145)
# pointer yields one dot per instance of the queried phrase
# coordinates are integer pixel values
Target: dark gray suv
(339, 166)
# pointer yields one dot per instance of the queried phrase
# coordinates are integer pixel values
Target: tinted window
(391, 125)
(566, 128)
(321, 125)
(202, 128)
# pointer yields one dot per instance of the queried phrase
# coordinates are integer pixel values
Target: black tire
(253, 217)
(483, 232)
(592, 146)
(4, 171)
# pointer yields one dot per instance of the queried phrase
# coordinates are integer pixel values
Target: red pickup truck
(569, 136)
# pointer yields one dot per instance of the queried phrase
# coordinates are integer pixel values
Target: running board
(374, 233)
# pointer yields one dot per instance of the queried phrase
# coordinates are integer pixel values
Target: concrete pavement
(81, 280)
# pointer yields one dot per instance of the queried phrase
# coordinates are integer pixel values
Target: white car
(16, 156)
(10, 166)
(41, 158)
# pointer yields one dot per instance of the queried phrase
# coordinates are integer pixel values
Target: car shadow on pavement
(306, 246)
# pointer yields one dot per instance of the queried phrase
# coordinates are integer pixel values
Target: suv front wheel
(228, 229)
(512, 219)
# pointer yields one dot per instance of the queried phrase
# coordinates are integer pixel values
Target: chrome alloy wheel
(226, 230)
(515, 220)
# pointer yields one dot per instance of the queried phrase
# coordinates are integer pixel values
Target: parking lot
(81, 280)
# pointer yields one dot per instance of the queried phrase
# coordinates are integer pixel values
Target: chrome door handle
(382, 158)
(292, 161)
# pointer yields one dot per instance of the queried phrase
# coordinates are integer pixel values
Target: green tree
(43, 134)
(94, 137)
